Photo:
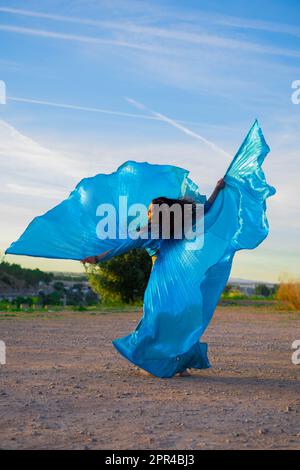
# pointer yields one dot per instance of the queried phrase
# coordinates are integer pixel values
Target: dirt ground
(65, 387)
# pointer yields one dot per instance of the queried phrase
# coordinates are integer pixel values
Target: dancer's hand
(90, 260)
(94, 259)
(220, 184)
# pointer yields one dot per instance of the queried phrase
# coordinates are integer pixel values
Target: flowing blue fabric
(185, 285)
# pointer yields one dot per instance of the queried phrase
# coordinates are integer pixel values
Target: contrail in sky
(154, 115)
(91, 109)
(77, 107)
(178, 126)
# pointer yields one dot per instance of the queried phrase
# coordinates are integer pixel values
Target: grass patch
(61, 312)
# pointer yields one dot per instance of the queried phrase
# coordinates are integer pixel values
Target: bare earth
(65, 387)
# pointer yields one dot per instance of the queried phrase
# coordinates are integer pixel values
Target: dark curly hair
(174, 225)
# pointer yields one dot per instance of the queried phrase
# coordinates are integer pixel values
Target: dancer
(185, 284)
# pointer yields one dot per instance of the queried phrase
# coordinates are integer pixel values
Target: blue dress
(185, 285)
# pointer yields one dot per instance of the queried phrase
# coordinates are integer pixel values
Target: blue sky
(213, 66)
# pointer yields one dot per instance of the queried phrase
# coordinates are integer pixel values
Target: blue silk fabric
(185, 285)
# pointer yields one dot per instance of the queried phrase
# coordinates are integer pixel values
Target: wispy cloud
(33, 191)
(150, 32)
(78, 38)
(267, 26)
(187, 56)
(60, 18)
(21, 155)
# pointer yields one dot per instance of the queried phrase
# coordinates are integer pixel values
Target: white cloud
(33, 191)
(137, 32)
(18, 152)
(267, 26)
(79, 38)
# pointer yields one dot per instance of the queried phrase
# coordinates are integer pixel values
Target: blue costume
(185, 285)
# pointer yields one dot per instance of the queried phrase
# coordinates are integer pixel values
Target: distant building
(10, 293)
(248, 287)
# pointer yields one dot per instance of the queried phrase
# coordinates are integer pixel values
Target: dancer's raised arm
(219, 186)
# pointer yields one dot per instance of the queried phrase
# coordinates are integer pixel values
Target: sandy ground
(65, 386)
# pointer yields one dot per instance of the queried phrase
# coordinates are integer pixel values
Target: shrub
(122, 279)
(289, 293)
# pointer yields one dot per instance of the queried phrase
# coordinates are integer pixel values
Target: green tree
(31, 277)
(121, 279)
(54, 298)
(59, 286)
(262, 289)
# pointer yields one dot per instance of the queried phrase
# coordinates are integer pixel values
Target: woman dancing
(185, 284)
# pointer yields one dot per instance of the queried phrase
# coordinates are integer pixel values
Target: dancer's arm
(94, 259)
(219, 186)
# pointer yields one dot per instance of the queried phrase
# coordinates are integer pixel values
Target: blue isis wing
(70, 230)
